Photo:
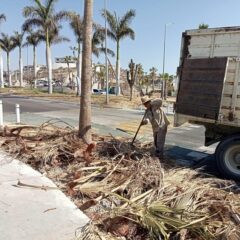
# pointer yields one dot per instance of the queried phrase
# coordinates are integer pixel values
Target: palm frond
(18, 38)
(126, 32)
(31, 11)
(7, 43)
(31, 23)
(59, 39)
(34, 38)
(2, 17)
(112, 21)
(40, 7)
(50, 6)
(76, 25)
(96, 51)
(62, 15)
(127, 18)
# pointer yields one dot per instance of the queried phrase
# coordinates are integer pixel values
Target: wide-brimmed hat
(145, 99)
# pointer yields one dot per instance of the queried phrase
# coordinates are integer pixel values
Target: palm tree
(2, 18)
(43, 16)
(85, 106)
(119, 29)
(7, 44)
(140, 74)
(98, 41)
(33, 39)
(77, 26)
(101, 76)
(153, 75)
(18, 41)
(68, 59)
(98, 38)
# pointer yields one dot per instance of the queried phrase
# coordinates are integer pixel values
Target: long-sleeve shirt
(156, 116)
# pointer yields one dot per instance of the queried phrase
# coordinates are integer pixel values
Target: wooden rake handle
(139, 127)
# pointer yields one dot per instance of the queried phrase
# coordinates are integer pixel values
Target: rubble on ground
(125, 191)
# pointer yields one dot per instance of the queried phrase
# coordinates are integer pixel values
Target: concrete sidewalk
(33, 213)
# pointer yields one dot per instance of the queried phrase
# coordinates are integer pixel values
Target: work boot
(159, 154)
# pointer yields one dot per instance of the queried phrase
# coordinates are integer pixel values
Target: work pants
(159, 139)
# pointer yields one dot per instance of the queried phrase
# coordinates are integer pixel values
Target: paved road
(182, 141)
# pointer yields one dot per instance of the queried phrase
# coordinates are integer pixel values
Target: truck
(209, 91)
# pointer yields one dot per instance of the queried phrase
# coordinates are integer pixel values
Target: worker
(159, 121)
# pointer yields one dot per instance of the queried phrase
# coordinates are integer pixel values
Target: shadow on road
(193, 159)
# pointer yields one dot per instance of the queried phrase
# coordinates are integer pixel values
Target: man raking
(156, 116)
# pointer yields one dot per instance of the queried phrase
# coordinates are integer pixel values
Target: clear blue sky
(151, 15)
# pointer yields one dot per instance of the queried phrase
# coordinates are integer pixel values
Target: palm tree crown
(18, 41)
(76, 25)
(48, 21)
(98, 41)
(18, 38)
(2, 18)
(119, 28)
(7, 43)
(33, 38)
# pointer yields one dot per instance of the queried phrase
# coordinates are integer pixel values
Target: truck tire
(228, 157)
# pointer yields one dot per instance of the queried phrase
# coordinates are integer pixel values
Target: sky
(151, 17)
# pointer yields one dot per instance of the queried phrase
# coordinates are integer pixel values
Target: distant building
(30, 68)
(60, 62)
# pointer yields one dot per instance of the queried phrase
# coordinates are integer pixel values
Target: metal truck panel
(222, 45)
(209, 77)
(200, 88)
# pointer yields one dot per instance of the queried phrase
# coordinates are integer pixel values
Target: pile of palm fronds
(125, 191)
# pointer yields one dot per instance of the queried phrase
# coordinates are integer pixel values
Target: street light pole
(163, 93)
(163, 71)
(106, 59)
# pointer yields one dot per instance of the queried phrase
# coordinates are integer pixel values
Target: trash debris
(124, 190)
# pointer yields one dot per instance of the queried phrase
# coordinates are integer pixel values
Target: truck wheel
(228, 158)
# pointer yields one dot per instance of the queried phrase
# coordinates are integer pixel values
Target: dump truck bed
(209, 77)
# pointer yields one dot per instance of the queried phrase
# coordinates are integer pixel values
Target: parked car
(97, 91)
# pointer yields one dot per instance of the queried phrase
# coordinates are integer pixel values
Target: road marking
(176, 131)
(207, 149)
(187, 128)
(194, 126)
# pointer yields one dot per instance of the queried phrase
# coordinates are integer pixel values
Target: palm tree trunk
(118, 71)
(8, 68)
(79, 69)
(1, 69)
(69, 75)
(153, 85)
(20, 67)
(49, 63)
(35, 66)
(85, 106)
(165, 89)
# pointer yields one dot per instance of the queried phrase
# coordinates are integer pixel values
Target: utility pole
(106, 58)
(163, 92)
(163, 71)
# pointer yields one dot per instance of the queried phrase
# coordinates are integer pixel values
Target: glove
(144, 122)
